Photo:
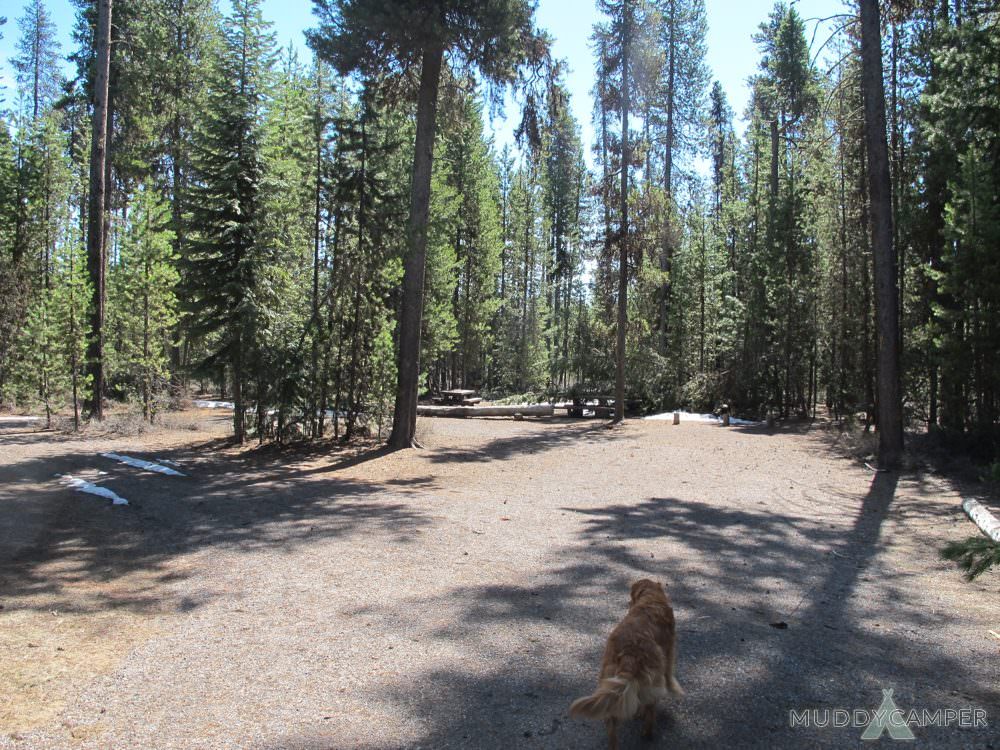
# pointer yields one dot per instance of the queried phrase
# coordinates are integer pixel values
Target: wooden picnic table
(460, 396)
(601, 406)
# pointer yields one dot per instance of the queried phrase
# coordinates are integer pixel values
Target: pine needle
(975, 555)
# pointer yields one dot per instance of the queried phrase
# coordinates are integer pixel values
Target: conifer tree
(36, 65)
(625, 38)
(143, 303)
(889, 404)
(473, 234)
(494, 37)
(224, 257)
(72, 299)
(97, 259)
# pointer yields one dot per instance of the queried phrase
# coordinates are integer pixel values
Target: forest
(324, 240)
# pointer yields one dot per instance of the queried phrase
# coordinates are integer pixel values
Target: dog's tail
(615, 698)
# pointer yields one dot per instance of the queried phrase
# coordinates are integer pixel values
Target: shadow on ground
(750, 651)
(780, 607)
(565, 434)
(243, 501)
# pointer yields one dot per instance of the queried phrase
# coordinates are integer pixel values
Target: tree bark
(314, 323)
(667, 254)
(404, 420)
(773, 183)
(890, 412)
(96, 251)
(623, 229)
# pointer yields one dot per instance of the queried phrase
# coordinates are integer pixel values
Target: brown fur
(638, 664)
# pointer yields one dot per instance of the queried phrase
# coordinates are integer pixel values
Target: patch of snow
(686, 416)
(201, 404)
(92, 489)
(18, 420)
(141, 464)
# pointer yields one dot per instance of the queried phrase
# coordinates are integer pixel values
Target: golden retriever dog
(638, 665)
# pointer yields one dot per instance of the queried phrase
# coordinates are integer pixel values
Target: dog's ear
(639, 586)
(634, 591)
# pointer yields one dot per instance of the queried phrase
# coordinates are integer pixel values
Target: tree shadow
(776, 611)
(515, 446)
(241, 502)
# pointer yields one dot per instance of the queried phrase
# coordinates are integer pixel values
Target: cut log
(535, 410)
(985, 520)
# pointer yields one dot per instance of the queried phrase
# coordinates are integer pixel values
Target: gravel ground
(458, 596)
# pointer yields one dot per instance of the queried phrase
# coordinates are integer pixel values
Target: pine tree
(225, 259)
(473, 234)
(624, 40)
(369, 169)
(178, 36)
(72, 297)
(677, 113)
(12, 278)
(564, 194)
(97, 259)
(493, 37)
(36, 64)
(963, 109)
(50, 354)
(786, 96)
(142, 301)
(889, 403)
(39, 368)
(287, 208)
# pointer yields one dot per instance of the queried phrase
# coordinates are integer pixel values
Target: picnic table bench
(601, 406)
(458, 397)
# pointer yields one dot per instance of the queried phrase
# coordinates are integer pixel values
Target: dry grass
(46, 656)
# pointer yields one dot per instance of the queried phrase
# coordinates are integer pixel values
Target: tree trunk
(315, 426)
(667, 254)
(890, 412)
(147, 412)
(774, 161)
(404, 421)
(623, 230)
(239, 407)
(96, 251)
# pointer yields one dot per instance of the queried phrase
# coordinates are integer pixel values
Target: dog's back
(638, 664)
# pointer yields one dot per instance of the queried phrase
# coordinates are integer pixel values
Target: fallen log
(534, 410)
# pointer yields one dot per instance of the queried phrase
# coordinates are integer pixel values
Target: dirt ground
(458, 596)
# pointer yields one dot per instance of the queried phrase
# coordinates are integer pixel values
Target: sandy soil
(458, 596)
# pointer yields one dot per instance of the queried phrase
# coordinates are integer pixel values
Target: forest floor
(458, 596)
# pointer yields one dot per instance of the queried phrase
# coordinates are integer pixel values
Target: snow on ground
(141, 464)
(18, 420)
(208, 404)
(687, 416)
(93, 489)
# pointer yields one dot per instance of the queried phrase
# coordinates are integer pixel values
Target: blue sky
(732, 56)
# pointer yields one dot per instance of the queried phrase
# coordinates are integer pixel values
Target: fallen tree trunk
(534, 410)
